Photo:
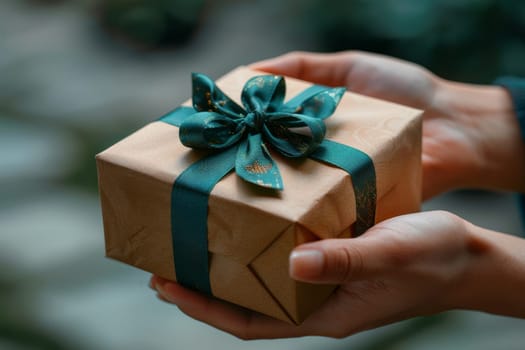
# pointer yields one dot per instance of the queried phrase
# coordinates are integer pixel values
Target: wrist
(483, 115)
(494, 276)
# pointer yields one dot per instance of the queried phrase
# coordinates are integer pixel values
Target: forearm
(489, 111)
(494, 280)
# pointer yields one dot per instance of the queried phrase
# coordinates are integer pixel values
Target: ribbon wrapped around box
(265, 174)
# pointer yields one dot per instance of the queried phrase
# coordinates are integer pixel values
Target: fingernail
(306, 263)
(165, 294)
(162, 298)
(161, 294)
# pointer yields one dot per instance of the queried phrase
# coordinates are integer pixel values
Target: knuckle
(249, 331)
(446, 215)
(346, 263)
(448, 219)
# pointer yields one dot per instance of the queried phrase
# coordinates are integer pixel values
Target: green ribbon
(237, 137)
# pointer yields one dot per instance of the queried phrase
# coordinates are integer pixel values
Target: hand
(415, 264)
(408, 266)
(470, 134)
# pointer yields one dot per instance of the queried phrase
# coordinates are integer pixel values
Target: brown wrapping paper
(252, 232)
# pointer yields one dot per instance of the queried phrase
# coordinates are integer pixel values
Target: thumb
(338, 260)
(422, 240)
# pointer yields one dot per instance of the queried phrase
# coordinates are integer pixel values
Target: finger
(326, 69)
(230, 318)
(339, 260)
(152, 282)
(388, 247)
(435, 179)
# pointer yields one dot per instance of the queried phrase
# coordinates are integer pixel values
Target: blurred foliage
(150, 23)
(468, 40)
(17, 329)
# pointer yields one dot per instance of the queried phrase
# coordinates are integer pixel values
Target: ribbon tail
(255, 164)
(361, 168)
(189, 212)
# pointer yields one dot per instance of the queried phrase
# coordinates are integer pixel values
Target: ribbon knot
(254, 121)
(294, 129)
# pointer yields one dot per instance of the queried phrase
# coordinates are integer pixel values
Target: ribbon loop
(208, 97)
(264, 93)
(321, 105)
(209, 130)
(295, 135)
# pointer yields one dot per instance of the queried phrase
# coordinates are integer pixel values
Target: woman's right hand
(407, 266)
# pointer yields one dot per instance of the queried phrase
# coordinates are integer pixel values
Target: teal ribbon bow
(237, 138)
(294, 131)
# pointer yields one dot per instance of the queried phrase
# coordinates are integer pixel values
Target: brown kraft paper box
(250, 232)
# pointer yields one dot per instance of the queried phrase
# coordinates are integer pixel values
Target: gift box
(236, 236)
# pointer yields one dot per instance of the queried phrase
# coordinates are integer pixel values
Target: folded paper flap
(296, 299)
(237, 283)
(270, 268)
(240, 230)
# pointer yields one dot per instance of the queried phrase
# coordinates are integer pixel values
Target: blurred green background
(76, 76)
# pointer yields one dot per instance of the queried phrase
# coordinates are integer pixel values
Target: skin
(411, 265)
